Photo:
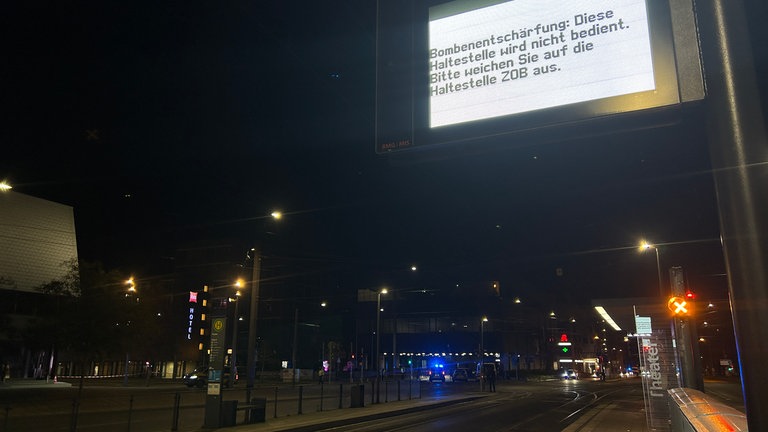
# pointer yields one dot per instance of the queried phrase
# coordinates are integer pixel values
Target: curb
(352, 419)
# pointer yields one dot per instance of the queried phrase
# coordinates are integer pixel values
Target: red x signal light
(679, 306)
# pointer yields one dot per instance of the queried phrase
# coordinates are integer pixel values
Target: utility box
(258, 410)
(228, 413)
(358, 396)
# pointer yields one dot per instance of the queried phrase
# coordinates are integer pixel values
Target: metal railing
(135, 407)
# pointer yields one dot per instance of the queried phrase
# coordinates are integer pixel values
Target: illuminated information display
(519, 72)
(525, 55)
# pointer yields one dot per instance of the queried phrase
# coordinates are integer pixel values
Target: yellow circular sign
(218, 324)
(678, 305)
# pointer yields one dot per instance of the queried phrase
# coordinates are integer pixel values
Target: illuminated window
(205, 302)
(205, 288)
(202, 317)
(202, 332)
(200, 346)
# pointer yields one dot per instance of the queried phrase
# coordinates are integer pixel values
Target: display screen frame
(403, 84)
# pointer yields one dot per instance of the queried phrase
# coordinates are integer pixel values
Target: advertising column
(215, 372)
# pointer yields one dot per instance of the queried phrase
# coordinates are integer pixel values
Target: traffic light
(680, 306)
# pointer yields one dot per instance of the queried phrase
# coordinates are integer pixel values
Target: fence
(164, 406)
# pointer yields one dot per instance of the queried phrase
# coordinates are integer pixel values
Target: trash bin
(358, 396)
(228, 413)
(257, 413)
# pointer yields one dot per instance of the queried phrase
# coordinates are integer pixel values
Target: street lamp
(131, 291)
(131, 285)
(378, 323)
(644, 246)
(4, 186)
(482, 349)
(238, 285)
(253, 254)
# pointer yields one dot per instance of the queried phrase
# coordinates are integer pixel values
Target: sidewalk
(329, 419)
(20, 383)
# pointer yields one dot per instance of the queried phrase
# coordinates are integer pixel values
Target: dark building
(37, 246)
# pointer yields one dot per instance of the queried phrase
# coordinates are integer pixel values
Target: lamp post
(644, 246)
(238, 285)
(378, 323)
(482, 349)
(253, 254)
(131, 291)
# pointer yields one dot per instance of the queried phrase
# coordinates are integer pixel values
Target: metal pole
(295, 342)
(130, 413)
(482, 354)
(378, 318)
(739, 151)
(234, 344)
(658, 271)
(254, 306)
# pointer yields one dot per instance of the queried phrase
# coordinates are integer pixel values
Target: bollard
(398, 389)
(176, 405)
(7, 413)
(75, 413)
(247, 398)
(301, 397)
(341, 393)
(321, 396)
(386, 391)
(130, 412)
(275, 401)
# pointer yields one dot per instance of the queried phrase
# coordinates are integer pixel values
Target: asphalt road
(549, 406)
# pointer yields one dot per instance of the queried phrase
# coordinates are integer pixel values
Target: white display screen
(524, 55)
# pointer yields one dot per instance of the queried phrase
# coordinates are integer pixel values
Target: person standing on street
(491, 376)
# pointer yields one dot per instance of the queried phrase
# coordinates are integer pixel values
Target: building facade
(38, 244)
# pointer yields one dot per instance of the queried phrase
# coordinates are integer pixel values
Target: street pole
(658, 271)
(254, 308)
(378, 319)
(738, 152)
(234, 341)
(482, 352)
(295, 342)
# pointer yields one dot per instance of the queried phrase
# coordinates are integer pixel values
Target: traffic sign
(679, 306)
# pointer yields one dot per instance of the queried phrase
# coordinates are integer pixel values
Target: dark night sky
(210, 115)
